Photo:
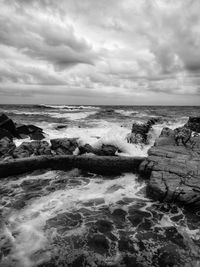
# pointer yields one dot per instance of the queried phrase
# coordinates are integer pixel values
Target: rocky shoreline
(172, 166)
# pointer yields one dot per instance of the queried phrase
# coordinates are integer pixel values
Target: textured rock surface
(194, 124)
(139, 132)
(105, 150)
(35, 148)
(7, 124)
(34, 132)
(6, 147)
(64, 146)
(174, 170)
(96, 164)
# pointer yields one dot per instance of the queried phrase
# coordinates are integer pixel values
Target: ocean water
(76, 218)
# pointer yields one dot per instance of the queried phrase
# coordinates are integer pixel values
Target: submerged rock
(174, 167)
(64, 146)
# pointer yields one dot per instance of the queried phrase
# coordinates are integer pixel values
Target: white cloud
(137, 50)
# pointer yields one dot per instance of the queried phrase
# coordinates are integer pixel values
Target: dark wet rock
(194, 124)
(86, 149)
(64, 146)
(136, 217)
(104, 226)
(5, 133)
(94, 202)
(7, 124)
(174, 236)
(139, 132)
(108, 150)
(34, 184)
(65, 221)
(174, 168)
(168, 256)
(61, 126)
(34, 148)
(131, 261)
(34, 132)
(167, 137)
(6, 147)
(119, 214)
(125, 244)
(98, 243)
(182, 135)
(105, 150)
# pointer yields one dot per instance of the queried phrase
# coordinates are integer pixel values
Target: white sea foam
(28, 224)
(126, 112)
(70, 107)
(72, 115)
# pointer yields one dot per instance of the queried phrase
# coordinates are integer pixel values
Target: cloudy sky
(100, 51)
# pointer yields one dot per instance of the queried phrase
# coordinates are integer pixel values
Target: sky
(112, 52)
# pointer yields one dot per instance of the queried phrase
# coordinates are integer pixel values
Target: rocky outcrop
(6, 147)
(9, 129)
(139, 132)
(104, 150)
(64, 146)
(174, 168)
(7, 124)
(32, 131)
(194, 124)
(96, 164)
(34, 148)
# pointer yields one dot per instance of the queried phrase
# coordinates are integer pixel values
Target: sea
(76, 218)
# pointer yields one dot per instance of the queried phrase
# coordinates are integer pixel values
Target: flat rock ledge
(96, 164)
(173, 170)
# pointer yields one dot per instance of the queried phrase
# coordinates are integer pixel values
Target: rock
(35, 133)
(59, 127)
(6, 147)
(139, 132)
(105, 150)
(167, 137)
(98, 243)
(64, 146)
(108, 150)
(194, 124)
(35, 148)
(96, 164)
(7, 124)
(86, 149)
(5, 133)
(174, 168)
(182, 135)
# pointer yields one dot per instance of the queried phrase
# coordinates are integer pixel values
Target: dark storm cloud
(133, 49)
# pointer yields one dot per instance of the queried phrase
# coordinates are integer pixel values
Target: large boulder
(174, 168)
(194, 124)
(6, 147)
(139, 132)
(5, 133)
(34, 132)
(34, 148)
(7, 124)
(64, 146)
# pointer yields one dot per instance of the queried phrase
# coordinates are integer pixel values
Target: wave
(68, 107)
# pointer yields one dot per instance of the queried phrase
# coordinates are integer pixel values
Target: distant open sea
(108, 124)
